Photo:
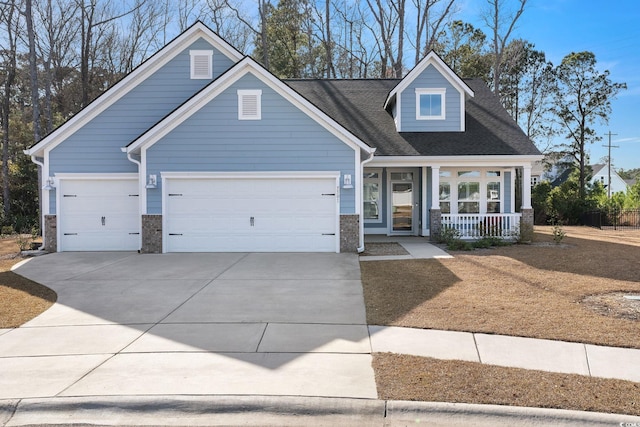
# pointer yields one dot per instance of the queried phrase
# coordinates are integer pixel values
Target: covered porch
(475, 196)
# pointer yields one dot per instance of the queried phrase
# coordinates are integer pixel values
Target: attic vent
(201, 64)
(249, 105)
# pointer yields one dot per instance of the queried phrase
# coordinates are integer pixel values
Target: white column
(435, 187)
(526, 186)
(424, 206)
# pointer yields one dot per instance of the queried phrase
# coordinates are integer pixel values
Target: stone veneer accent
(151, 234)
(50, 233)
(435, 224)
(526, 225)
(349, 233)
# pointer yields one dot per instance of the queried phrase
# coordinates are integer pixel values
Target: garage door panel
(99, 215)
(244, 215)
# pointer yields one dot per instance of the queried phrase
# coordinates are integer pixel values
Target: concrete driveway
(131, 324)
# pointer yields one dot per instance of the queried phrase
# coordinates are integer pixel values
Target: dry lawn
(20, 299)
(402, 377)
(535, 290)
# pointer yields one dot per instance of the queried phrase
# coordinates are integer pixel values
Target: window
(445, 197)
(371, 195)
(470, 191)
(201, 64)
(249, 104)
(493, 197)
(430, 104)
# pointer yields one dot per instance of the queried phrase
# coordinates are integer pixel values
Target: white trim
(424, 207)
(513, 190)
(242, 95)
(252, 175)
(193, 56)
(431, 59)
(249, 175)
(247, 65)
(133, 79)
(398, 112)
(435, 187)
(452, 161)
(526, 186)
(443, 103)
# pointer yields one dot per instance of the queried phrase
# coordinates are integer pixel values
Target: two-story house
(201, 149)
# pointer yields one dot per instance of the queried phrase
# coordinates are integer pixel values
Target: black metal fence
(614, 219)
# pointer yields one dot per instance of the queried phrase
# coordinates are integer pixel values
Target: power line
(609, 146)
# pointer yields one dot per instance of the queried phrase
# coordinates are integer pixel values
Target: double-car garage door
(255, 214)
(251, 215)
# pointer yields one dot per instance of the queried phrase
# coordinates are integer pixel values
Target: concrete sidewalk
(418, 248)
(515, 352)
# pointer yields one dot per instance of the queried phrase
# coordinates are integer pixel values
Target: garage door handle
(104, 219)
(252, 221)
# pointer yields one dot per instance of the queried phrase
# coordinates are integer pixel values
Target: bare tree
(502, 24)
(429, 22)
(388, 25)
(10, 20)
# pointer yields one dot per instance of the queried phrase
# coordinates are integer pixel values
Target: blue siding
(286, 139)
(96, 146)
(430, 79)
(508, 192)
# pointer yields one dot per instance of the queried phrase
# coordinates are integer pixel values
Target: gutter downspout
(365, 161)
(41, 164)
(139, 163)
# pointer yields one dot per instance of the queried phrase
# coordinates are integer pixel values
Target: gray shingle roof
(358, 106)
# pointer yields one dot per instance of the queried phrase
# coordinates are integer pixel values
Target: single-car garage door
(98, 215)
(251, 214)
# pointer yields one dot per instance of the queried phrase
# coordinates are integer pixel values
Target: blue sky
(611, 30)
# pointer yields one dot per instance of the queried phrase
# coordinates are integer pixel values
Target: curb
(283, 411)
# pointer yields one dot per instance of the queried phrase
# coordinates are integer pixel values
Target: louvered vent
(201, 66)
(249, 107)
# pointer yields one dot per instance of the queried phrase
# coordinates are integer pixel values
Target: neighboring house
(201, 149)
(599, 173)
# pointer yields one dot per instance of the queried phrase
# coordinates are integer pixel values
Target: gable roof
(432, 58)
(213, 89)
(131, 80)
(358, 105)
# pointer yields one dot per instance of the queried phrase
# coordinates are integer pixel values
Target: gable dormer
(431, 98)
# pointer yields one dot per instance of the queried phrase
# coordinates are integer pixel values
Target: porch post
(435, 216)
(526, 220)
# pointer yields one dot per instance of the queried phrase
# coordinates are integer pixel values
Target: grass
(20, 299)
(536, 290)
(533, 291)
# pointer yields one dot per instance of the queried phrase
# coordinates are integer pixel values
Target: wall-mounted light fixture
(152, 181)
(346, 181)
(49, 184)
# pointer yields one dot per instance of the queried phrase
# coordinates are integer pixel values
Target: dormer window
(201, 64)
(430, 104)
(249, 104)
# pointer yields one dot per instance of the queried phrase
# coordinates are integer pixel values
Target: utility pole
(609, 161)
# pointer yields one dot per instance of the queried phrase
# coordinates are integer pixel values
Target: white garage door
(99, 215)
(251, 215)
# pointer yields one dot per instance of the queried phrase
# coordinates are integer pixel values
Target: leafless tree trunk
(501, 29)
(33, 70)
(8, 17)
(428, 24)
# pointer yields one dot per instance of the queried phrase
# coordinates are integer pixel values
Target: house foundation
(435, 224)
(526, 225)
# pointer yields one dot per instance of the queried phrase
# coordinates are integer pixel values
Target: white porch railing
(475, 226)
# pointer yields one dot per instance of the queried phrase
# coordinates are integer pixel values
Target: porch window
(445, 197)
(470, 191)
(372, 184)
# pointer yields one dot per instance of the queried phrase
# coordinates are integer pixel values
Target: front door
(402, 202)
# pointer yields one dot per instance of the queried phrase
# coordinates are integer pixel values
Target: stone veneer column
(526, 225)
(349, 233)
(50, 233)
(151, 234)
(435, 224)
